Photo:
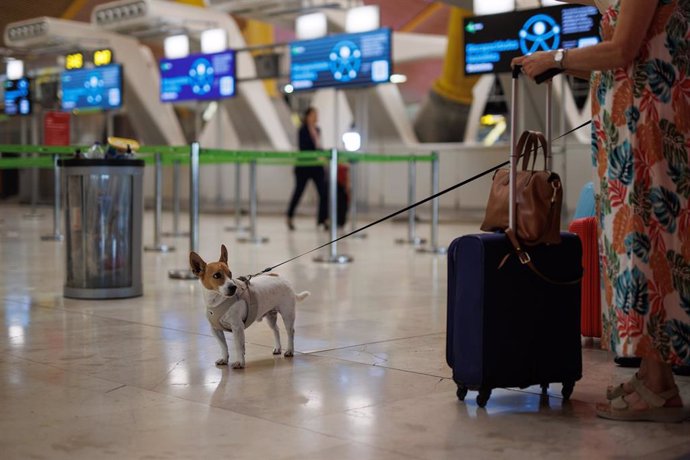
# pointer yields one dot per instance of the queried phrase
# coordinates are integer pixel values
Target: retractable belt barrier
(159, 156)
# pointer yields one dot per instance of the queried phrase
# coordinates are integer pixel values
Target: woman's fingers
(533, 64)
(517, 61)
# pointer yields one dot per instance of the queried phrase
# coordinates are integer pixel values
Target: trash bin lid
(78, 162)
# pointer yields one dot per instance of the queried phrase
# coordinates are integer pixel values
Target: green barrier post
(253, 209)
(238, 202)
(194, 151)
(334, 257)
(412, 238)
(157, 215)
(434, 248)
(57, 235)
(353, 199)
(176, 203)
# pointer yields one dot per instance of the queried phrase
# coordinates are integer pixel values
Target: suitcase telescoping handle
(514, 154)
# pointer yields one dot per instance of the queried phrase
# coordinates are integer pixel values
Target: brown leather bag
(539, 195)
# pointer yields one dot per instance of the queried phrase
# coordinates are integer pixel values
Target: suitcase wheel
(567, 390)
(462, 392)
(544, 388)
(483, 396)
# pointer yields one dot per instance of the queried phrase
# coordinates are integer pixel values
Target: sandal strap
(653, 399)
(634, 379)
(619, 403)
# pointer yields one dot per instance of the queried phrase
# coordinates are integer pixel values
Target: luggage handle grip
(542, 77)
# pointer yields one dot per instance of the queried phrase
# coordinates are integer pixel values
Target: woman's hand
(536, 64)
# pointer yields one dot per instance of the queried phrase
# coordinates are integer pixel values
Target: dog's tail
(302, 295)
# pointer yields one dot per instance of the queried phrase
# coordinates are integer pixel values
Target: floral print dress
(641, 156)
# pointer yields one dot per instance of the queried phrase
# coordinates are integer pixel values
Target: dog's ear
(223, 254)
(196, 263)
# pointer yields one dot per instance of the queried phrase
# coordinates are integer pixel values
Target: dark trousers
(302, 175)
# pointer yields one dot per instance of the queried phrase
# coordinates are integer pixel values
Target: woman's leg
(301, 177)
(319, 177)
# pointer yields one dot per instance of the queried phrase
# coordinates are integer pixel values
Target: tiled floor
(136, 378)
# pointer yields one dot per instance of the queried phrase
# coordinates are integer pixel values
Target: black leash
(396, 213)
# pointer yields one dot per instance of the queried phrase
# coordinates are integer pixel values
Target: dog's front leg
(233, 319)
(220, 336)
(238, 335)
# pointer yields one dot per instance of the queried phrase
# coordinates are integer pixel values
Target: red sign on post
(56, 128)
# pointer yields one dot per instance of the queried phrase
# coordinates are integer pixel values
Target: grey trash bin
(103, 219)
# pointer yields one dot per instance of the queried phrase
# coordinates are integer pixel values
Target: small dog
(234, 304)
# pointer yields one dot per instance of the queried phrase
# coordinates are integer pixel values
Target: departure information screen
(492, 41)
(97, 88)
(17, 97)
(198, 77)
(360, 59)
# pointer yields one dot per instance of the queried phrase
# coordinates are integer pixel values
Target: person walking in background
(641, 153)
(309, 140)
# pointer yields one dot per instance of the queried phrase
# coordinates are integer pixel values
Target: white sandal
(619, 409)
(618, 391)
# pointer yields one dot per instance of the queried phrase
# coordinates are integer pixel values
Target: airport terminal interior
(135, 132)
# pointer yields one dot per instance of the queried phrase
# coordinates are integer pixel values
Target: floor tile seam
(441, 379)
(93, 315)
(120, 385)
(347, 441)
(281, 423)
(407, 371)
(155, 326)
(352, 440)
(396, 339)
(12, 301)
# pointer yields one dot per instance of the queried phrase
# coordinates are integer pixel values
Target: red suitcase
(586, 229)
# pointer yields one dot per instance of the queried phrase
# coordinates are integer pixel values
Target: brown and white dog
(232, 305)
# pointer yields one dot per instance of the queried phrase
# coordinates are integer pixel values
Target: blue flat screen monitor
(198, 77)
(492, 41)
(97, 88)
(17, 97)
(360, 59)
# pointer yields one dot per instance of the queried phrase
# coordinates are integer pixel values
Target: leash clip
(245, 279)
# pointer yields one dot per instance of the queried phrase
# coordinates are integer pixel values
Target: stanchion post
(334, 257)
(353, 199)
(253, 210)
(194, 199)
(176, 203)
(238, 202)
(434, 248)
(33, 214)
(57, 190)
(186, 273)
(176, 199)
(412, 238)
(158, 211)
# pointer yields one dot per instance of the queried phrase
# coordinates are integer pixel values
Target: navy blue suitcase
(507, 327)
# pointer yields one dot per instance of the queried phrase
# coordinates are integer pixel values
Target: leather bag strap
(525, 259)
(525, 147)
(540, 140)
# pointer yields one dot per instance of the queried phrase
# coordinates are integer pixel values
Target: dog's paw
(237, 365)
(222, 362)
(276, 351)
(289, 354)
